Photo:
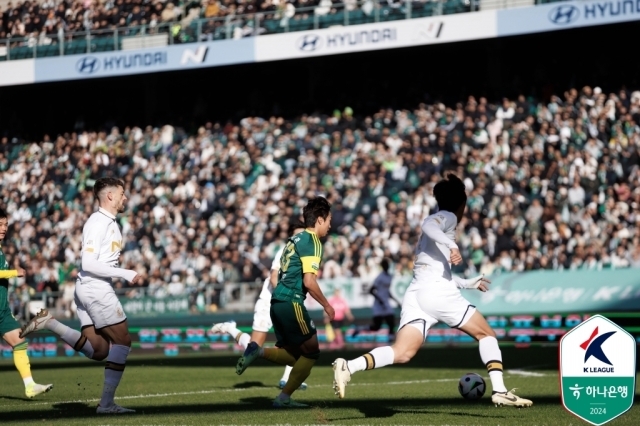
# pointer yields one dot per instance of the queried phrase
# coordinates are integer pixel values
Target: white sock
(235, 333)
(377, 358)
(244, 340)
(27, 381)
(287, 372)
(113, 373)
(492, 358)
(70, 336)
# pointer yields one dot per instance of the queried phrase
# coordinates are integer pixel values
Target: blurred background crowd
(551, 185)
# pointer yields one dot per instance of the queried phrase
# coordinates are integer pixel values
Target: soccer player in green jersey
(9, 327)
(297, 343)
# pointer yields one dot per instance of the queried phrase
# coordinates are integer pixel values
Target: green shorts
(7, 322)
(291, 323)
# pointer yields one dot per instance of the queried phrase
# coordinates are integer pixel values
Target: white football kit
(97, 302)
(261, 313)
(434, 293)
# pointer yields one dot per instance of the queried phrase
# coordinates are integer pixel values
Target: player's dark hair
(3, 214)
(450, 193)
(106, 182)
(295, 224)
(384, 264)
(315, 208)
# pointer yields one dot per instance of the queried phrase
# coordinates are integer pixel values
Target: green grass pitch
(204, 389)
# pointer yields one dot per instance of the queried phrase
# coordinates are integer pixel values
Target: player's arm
(275, 267)
(310, 257)
(479, 282)
(90, 263)
(12, 273)
(434, 227)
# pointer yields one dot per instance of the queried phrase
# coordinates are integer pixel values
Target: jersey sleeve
(436, 225)
(92, 236)
(275, 265)
(310, 253)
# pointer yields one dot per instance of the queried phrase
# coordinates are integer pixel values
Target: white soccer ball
(472, 386)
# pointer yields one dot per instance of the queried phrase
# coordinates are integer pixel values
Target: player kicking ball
(297, 343)
(261, 317)
(434, 296)
(100, 313)
(9, 327)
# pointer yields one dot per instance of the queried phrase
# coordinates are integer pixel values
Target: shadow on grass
(430, 357)
(371, 408)
(247, 385)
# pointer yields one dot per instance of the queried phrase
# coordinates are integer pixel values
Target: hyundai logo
(309, 43)
(564, 15)
(88, 65)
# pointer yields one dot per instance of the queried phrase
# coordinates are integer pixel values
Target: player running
(261, 317)
(433, 296)
(297, 343)
(9, 327)
(100, 313)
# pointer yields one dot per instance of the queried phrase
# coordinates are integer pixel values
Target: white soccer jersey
(267, 288)
(101, 246)
(434, 246)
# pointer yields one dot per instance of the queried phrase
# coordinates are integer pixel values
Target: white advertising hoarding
(377, 36)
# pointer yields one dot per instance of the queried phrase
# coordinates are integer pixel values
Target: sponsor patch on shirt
(315, 266)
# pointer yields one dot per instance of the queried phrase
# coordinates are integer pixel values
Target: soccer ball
(471, 386)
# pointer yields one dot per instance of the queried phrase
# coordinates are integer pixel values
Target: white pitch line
(526, 373)
(206, 392)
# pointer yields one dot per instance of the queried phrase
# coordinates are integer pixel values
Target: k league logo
(88, 65)
(598, 370)
(309, 42)
(564, 15)
(593, 347)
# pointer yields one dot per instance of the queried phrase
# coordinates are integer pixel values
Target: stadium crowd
(552, 185)
(42, 21)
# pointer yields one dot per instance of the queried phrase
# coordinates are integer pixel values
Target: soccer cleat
(510, 399)
(341, 376)
(34, 389)
(37, 323)
(223, 327)
(114, 409)
(283, 382)
(250, 354)
(287, 403)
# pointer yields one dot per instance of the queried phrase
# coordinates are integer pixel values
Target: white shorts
(262, 316)
(98, 305)
(431, 299)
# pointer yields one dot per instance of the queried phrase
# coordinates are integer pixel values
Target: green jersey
(4, 282)
(301, 255)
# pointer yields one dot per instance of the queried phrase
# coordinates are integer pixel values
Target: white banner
(565, 15)
(382, 35)
(17, 72)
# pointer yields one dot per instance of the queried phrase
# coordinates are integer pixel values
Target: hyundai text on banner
(565, 15)
(143, 61)
(378, 36)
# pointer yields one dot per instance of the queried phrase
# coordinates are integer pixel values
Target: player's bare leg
(118, 335)
(87, 341)
(478, 328)
(21, 361)
(408, 342)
